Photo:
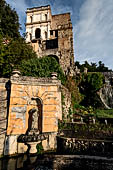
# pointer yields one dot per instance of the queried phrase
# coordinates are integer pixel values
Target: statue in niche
(34, 124)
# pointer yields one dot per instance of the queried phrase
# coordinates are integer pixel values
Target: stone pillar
(16, 73)
(54, 75)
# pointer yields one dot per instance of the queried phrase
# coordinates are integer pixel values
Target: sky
(92, 25)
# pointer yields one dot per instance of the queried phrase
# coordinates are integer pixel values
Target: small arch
(31, 18)
(30, 36)
(45, 17)
(45, 35)
(37, 33)
(54, 56)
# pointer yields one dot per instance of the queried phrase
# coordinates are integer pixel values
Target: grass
(104, 113)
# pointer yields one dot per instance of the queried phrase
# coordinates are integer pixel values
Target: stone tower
(51, 35)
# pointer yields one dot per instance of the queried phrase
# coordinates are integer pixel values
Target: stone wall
(97, 147)
(66, 101)
(3, 111)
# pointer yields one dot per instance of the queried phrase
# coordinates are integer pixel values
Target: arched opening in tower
(37, 33)
(54, 56)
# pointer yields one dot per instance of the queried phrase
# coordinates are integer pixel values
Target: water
(57, 162)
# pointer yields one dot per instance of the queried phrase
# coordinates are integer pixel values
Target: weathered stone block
(17, 100)
(49, 108)
(22, 148)
(10, 141)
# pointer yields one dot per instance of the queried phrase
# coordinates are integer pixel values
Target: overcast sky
(92, 25)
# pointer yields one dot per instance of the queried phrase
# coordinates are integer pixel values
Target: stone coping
(88, 140)
(34, 80)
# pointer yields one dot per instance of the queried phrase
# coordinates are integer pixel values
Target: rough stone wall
(60, 20)
(3, 112)
(63, 24)
(24, 91)
(106, 92)
(66, 101)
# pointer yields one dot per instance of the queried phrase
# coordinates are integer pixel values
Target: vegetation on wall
(42, 67)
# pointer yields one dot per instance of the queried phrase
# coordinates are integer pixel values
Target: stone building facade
(51, 35)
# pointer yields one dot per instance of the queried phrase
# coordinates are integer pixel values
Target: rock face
(106, 93)
(51, 35)
(4, 92)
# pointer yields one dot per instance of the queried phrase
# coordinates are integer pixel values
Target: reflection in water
(57, 162)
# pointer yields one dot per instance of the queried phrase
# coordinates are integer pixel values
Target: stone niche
(35, 103)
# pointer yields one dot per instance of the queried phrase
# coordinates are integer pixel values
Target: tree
(9, 22)
(12, 54)
(90, 85)
(101, 67)
(92, 67)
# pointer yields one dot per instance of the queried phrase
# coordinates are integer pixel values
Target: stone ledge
(35, 81)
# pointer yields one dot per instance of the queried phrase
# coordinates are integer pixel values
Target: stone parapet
(34, 81)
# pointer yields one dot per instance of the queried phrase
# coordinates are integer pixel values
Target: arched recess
(45, 35)
(45, 17)
(54, 56)
(39, 108)
(37, 33)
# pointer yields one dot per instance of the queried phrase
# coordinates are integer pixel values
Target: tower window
(31, 18)
(51, 32)
(37, 33)
(56, 33)
(45, 17)
(45, 35)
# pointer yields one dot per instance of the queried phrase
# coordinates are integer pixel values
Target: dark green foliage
(12, 54)
(9, 22)
(41, 67)
(92, 81)
(89, 86)
(39, 148)
(13, 48)
(93, 67)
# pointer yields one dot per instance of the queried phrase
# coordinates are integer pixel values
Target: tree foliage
(93, 67)
(89, 86)
(12, 54)
(41, 67)
(9, 22)
(13, 48)
(92, 81)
